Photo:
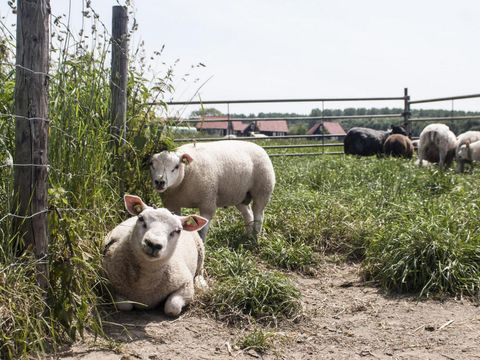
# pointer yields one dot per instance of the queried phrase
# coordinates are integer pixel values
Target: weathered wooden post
(31, 130)
(119, 70)
(229, 122)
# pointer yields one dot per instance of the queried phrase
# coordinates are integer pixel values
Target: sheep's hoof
(172, 310)
(174, 306)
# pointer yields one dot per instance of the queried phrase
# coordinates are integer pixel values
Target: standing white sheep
(466, 137)
(154, 256)
(216, 174)
(437, 144)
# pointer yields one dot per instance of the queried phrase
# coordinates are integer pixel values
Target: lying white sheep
(466, 137)
(154, 256)
(469, 152)
(437, 144)
(216, 174)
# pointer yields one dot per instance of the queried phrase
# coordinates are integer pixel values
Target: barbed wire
(24, 117)
(25, 165)
(123, 91)
(53, 208)
(24, 217)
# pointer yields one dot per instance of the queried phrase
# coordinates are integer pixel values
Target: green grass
(259, 340)
(268, 297)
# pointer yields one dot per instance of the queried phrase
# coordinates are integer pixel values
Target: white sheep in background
(154, 256)
(469, 152)
(257, 135)
(437, 144)
(216, 174)
(466, 137)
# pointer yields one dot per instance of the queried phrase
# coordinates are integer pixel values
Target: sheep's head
(168, 169)
(396, 129)
(463, 152)
(156, 231)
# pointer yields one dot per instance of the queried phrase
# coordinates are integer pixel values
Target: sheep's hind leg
(178, 299)
(258, 208)
(247, 214)
(442, 161)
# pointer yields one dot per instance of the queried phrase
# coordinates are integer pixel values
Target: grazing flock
(156, 256)
(436, 144)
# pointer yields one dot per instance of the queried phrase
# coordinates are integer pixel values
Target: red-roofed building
(330, 128)
(269, 128)
(219, 128)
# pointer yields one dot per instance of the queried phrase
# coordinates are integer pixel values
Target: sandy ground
(344, 319)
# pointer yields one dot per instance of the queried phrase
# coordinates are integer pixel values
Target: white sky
(258, 49)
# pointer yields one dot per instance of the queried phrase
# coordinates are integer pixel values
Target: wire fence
(9, 167)
(227, 132)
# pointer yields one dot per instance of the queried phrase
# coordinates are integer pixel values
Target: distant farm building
(217, 125)
(268, 128)
(328, 128)
(219, 128)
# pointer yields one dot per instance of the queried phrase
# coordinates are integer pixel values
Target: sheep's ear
(186, 159)
(134, 204)
(193, 222)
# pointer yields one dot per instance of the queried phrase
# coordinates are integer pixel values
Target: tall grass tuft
(265, 296)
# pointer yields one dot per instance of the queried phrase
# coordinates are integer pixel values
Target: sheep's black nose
(154, 247)
(160, 183)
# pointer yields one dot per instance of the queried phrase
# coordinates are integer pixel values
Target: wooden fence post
(31, 130)
(119, 71)
(406, 111)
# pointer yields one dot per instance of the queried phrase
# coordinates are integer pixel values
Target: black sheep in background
(365, 142)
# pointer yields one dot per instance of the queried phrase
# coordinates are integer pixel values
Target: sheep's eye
(175, 232)
(142, 220)
(175, 168)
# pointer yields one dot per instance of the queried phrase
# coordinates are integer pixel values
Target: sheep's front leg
(460, 166)
(178, 299)
(207, 214)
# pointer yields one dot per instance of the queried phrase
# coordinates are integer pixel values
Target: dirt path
(344, 319)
